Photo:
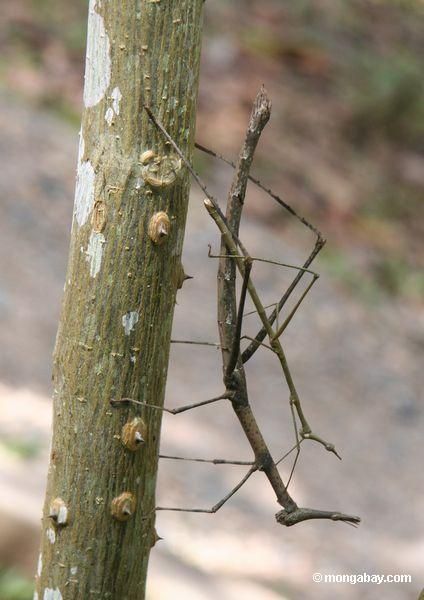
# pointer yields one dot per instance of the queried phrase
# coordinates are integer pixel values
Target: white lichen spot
(113, 110)
(74, 570)
(94, 252)
(98, 63)
(129, 321)
(35, 596)
(116, 97)
(51, 535)
(109, 116)
(133, 359)
(81, 146)
(62, 516)
(84, 190)
(52, 594)
(40, 564)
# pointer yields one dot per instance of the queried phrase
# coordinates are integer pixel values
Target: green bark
(114, 333)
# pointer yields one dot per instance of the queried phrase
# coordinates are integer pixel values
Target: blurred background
(344, 146)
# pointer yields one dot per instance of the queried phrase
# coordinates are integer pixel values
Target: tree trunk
(123, 274)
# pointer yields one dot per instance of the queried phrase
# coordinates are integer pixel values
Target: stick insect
(232, 258)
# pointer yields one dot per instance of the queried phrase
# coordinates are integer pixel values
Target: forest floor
(357, 362)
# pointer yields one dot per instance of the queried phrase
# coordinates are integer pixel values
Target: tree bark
(123, 274)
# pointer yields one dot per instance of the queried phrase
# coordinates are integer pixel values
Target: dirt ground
(358, 367)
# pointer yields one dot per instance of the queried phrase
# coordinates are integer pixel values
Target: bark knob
(159, 227)
(58, 512)
(133, 434)
(123, 506)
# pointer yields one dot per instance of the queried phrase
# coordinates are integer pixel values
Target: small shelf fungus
(159, 227)
(58, 512)
(133, 434)
(123, 506)
(159, 171)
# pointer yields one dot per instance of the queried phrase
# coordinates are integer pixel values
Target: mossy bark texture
(114, 333)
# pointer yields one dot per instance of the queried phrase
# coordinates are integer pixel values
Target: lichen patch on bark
(95, 252)
(113, 110)
(129, 321)
(52, 594)
(84, 189)
(39, 564)
(98, 62)
(51, 535)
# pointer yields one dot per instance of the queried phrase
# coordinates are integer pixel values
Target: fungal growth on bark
(159, 227)
(59, 512)
(123, 506)
(133, 434)
(98, 219)
(159, 171)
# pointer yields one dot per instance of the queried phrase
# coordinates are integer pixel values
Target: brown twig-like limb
(255, 312)
(260, 336)
(235, 350)
(213, 461)
(280, 264)
(259, 117)
(264, 260)
(286, 454)
(223, 461)
(305, 514)
(283, 326)
(262, 187)
(229, 320)
(247, 337)
(218, 505)
(172, 411)
(275, 343)
(292, 470)
(316, 438)
(194, 343)
(297, 446)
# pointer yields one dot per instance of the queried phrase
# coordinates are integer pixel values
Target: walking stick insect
(235, 257)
